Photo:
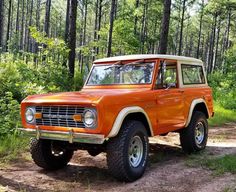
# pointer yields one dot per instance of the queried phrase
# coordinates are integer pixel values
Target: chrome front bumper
(70, 136)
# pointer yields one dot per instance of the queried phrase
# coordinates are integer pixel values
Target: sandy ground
(167, 170)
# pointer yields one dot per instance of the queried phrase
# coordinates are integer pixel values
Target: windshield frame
(154, 61)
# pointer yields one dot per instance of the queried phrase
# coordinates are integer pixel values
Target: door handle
(181, 91)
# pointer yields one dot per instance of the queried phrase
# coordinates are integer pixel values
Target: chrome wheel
(199, 133)
(135, 151)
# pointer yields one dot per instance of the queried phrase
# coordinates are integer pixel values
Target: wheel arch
(134, 113)
(197, 105)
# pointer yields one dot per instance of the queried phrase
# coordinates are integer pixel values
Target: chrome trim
(70, 136)
(59, 115)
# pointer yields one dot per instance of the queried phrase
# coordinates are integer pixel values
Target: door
(169, 99)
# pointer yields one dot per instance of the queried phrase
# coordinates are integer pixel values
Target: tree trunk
(72, 37)
(165, 27)
(26, 26)
(136, 18)
(226, 39)
(12, 16)
(212, 45)
(207, 49)
(30, 24)
(84, 35)
(109, 43)
(144, 27)
(17, 17)
(8, 24)
(47, 18)
(38, 15)
(217, 45)
(67, 21)
(115, 10)
(37, 23)
(187, 37)
(95, 28)
(22, 25)
(202, 51)
(182, 27)
(85, 22)
(228, 29)
(99, 22)
(1, 22)
(190, 45)
(177, 32)
(200, 30)
(85, 31)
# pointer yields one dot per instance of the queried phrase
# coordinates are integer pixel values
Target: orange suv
(125, 100)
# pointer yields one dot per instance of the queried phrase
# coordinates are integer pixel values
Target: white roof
(147, 56)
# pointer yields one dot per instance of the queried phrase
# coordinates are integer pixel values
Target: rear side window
(192, 74)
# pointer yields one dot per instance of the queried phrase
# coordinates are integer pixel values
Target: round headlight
(89, 117)
(29, 115)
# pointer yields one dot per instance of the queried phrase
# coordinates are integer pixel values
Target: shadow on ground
(85, 172)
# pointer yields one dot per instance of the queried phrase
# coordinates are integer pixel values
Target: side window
(192, 74)
(167, 77)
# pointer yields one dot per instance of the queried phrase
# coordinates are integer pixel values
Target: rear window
(192, 74)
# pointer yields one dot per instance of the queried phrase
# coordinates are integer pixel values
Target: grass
(222, 116)
(222, 165)
(12, 147)
(196, 159)
(219, 165)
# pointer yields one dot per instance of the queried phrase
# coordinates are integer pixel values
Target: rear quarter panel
(193, 93)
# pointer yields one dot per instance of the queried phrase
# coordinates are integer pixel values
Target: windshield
(139, 73)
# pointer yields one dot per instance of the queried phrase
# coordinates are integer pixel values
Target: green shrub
(18, 80)
(10, 114)
(23, 74)
(224, 89)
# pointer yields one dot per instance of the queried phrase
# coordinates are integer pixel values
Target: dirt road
(168, 170)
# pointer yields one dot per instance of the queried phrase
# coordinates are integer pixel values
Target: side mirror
(170, 85)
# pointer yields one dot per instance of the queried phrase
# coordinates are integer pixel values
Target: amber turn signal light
(38, 115)
(77, 117)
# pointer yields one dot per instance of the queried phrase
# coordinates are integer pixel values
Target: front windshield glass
(139, 73)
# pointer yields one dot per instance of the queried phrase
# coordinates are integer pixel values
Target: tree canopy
(99, 28)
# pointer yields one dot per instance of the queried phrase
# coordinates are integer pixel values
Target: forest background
(49, 46)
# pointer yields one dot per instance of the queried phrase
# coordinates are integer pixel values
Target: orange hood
(86, 96)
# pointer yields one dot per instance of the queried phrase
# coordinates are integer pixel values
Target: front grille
(61, 116)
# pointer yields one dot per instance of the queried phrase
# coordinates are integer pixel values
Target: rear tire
(127, 153)
(194, 137)
(50, 155)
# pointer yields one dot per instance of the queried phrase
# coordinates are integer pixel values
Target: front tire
(50, 155)
(194, 137)
(127, 153)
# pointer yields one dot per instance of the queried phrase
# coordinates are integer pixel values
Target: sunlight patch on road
(3, 189)
(221, 144)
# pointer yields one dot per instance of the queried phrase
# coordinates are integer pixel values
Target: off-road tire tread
(39, 153)
(115, 156)
(186, 135)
